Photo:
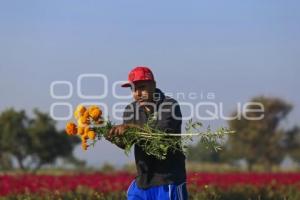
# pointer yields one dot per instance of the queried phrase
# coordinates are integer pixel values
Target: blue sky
(236, 49)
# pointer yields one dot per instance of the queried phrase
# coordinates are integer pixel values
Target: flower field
(114, 186)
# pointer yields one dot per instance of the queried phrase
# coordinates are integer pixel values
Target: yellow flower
(84, 137)
(79, 111)
(86, 130)
(71, 128)
(86, 114)
(80, 124)
(91, 135)
(80, 130)
(84, 120)
(95, 112)
(84, 146)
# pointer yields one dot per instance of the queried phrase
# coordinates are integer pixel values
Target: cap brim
(129, 84)
(126, 85)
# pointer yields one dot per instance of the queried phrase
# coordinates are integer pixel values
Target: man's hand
(117, 131)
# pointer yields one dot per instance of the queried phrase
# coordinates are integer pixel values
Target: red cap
(140, 73)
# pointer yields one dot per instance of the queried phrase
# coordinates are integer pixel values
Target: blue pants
(163, 192)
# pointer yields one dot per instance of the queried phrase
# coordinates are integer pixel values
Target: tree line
(29, 143)
(265, 142)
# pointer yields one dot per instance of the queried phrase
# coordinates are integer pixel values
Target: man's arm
(119, 130)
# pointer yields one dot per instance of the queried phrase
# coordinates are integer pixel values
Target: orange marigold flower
(84, 120)
(86, 130)
(95, 112)
(80, 124)
(79, 111)
(80, 130)
(71, 128)
(91, 135)
(84, 137)
(99, 121)
(84, 146)
(86, 114)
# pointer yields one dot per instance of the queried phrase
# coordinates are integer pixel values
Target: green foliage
(158, 143)
(32, 142)
(260, 141)
(107, 168)
(200, 153)
(207, 149)
(292, 143)
(79, 194)
(14, 137)
(244, 192)
(5, 161)
(195, 193)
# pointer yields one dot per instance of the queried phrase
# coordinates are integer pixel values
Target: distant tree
(47, 144)
(107, 168)
(199, 153)
(5, 161)
(260, 141)
(33, 142)
(292, 143)
(14, 138)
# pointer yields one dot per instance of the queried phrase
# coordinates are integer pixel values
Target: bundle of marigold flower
(86, 120)
(91, 127)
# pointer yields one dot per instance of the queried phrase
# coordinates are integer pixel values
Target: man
(156, 179)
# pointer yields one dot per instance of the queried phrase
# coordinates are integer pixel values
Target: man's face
(143, 91)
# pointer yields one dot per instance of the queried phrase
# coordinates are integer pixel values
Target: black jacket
(151, 171)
